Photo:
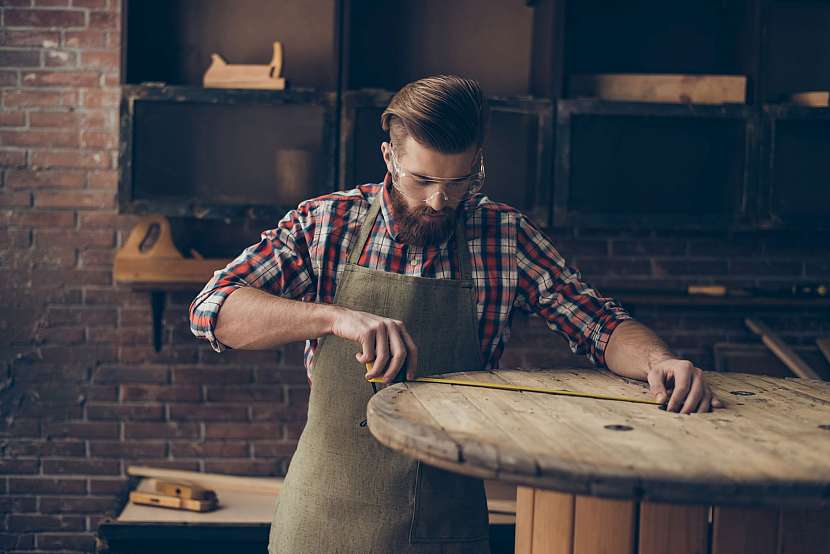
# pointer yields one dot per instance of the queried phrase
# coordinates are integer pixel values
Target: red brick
(61, 78)
(161, 393)
(75, 239)
(91, 119)
(99, 219)
(103, 179)
(242, 431)
(45, 485)
(99, 139)
(162, 430)
(107, 486)
(16, 199)
(67, 448)
(45, 179)
(96, 258)
(269, 375)
(101, 60)
(23, 523)
(39, 38)
(85, 39)
(19, 58)
(767, 268)
(52, 3)
(12, 119)
(47, 372)
(210, 449)
(245, 393)
(54, 119)
(244, 467)
(124, 412)
(223, 412)
(70, 158)
(17, 504)
(223, 376)
(76, 505)
(82, 430)
(82, 354)
(12, 158)
(92, 4)
(62, 335)
(60, 58)
(293, 430)
(16, 542)
(104, 20)
(81, 467)
(76, 200)
(100, 98)
(33, 218)
(298, 395)
(44, 18)
(67, 315)
(128, 449)
(120, 375)
(18, 467)
(271, 449)
(66, 541)
(39, 98)
(689, 266)
(40, 138)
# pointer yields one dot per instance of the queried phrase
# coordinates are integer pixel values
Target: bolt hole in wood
(742, 393)
(825, 426)
(616, 427)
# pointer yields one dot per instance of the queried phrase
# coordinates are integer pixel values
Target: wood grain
(675, 529)
(769, 447)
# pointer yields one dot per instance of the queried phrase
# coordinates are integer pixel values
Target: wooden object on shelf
(667, 88)
(150, 257)
(184, 489)
(786, 354)
(172, 502)
(813, 99)
(221, 74)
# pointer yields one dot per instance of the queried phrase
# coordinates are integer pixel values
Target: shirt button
(414, 261)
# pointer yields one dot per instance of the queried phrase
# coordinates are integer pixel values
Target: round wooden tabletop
(769, 446)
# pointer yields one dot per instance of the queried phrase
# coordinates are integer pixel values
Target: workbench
(615, 477)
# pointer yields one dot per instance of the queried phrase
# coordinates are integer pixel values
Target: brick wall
(83, 394)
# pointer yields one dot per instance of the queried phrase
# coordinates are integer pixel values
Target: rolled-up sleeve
(279, 264)
(556, 292)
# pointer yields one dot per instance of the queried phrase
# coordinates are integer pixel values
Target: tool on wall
(221, 74)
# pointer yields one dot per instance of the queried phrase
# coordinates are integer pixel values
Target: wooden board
(770, 446)
(675, 529)
(683, 89)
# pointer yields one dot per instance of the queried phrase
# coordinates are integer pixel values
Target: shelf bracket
(157, 303)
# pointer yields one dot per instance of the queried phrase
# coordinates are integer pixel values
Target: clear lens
(418, 188)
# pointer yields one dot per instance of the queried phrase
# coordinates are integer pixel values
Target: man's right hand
(384, 342)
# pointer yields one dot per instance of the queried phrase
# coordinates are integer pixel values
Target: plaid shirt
(514, 266)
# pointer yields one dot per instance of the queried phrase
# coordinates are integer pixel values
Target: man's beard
(415, 227)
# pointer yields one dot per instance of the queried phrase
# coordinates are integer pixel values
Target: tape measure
(520, 388)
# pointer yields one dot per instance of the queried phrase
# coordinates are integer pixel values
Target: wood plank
(740, 530)
(804, 531)
(524, 520)
(553, 522)
(605, 526)
(263, 485)
(673, 528)
(786, 354)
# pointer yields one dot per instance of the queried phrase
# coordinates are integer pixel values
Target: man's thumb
(657, 386)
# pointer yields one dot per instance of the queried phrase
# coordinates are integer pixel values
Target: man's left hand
(691, 392)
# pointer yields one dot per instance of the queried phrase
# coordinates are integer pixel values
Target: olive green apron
(344, 491)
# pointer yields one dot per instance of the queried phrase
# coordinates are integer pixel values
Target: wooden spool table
(599, 476)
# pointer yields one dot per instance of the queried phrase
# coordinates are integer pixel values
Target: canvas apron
(344, 491)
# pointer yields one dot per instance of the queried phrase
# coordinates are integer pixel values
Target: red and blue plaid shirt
(514, 266)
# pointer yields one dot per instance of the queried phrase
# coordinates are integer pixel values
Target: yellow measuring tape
(519, 388)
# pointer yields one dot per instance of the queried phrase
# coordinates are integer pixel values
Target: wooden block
(172, 502)
(666, 88)
(673, 528)
(184, 490)
(813, 99)
(739, 530)
(221, 74)
(524, 520)
(602, 525)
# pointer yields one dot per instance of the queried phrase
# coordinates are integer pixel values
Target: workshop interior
(676, 153)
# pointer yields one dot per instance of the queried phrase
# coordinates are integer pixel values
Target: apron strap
(462, 252)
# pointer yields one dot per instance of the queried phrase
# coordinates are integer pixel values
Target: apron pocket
(448, 507)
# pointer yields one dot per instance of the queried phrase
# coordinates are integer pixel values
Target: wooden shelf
(645, 299)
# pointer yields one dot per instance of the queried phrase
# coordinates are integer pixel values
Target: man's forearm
(251, 319)
(632, 350)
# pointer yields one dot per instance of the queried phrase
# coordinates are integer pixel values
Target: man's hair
(445, 113)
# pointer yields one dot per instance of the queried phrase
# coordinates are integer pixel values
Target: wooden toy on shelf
(221, 74)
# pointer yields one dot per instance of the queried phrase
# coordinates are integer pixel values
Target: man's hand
(384, 342)
(691, 393)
